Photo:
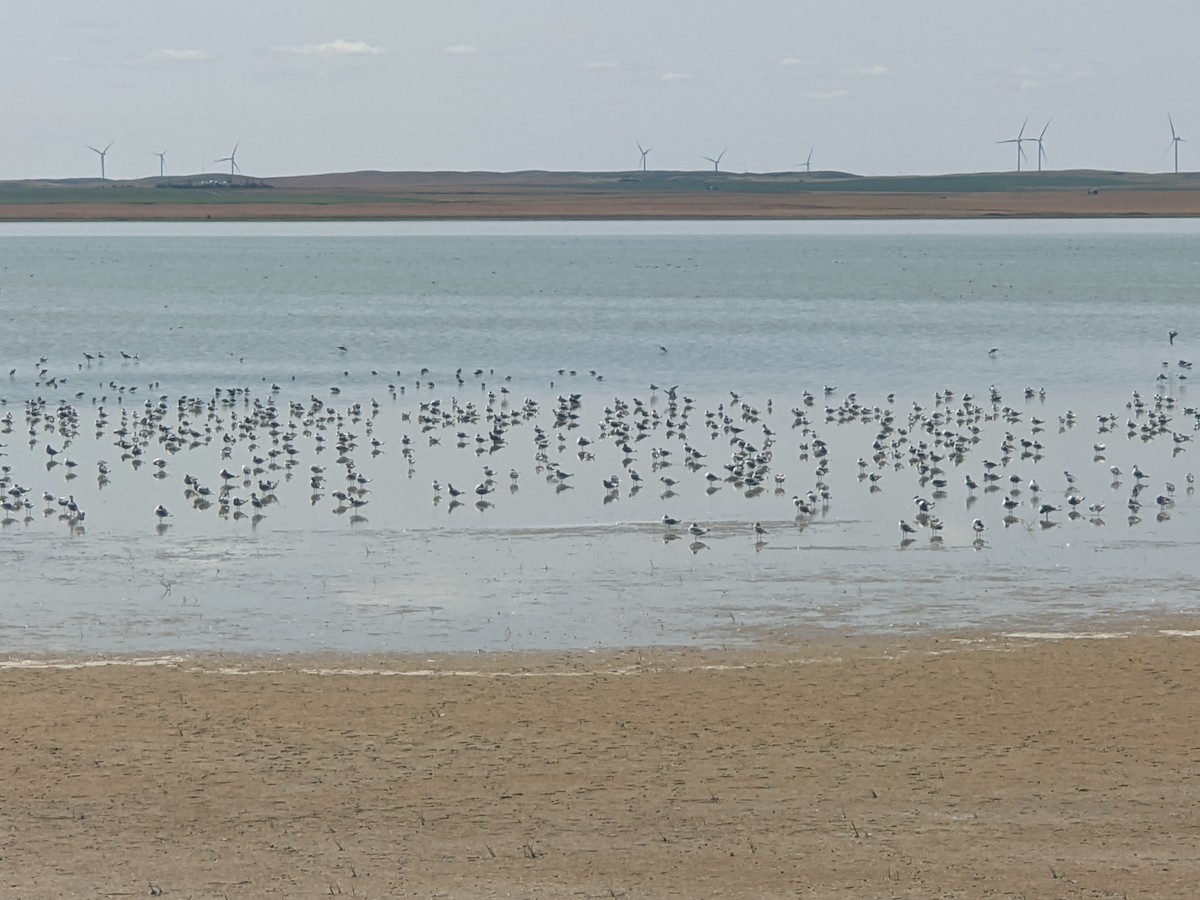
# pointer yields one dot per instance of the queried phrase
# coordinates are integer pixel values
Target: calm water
(214, 347)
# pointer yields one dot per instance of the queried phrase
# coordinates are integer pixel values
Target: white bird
(696, 531)
(161, 511)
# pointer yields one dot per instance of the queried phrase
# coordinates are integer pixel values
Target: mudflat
(858, 767)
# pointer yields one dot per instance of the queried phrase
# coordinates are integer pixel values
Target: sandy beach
(964, 766)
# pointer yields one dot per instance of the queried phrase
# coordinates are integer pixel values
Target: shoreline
(743, 642)
(748, 208)
(883, 767)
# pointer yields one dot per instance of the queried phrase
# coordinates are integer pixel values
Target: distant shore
(414, 196)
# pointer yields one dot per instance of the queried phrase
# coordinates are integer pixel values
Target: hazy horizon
(870, 88)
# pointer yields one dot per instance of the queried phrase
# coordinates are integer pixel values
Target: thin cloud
(460, 50)
(826, 95)
(181, 55)
(794, 62)
(674, 76)
(875, 71)
(334, 48)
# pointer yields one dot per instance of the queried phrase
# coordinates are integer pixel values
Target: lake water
(922, 349)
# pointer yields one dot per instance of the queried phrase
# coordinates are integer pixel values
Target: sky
(874, 88)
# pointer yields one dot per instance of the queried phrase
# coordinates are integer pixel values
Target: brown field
(543, 195)
(846, 767)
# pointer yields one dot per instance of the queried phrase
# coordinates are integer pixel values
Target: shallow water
(892, 317)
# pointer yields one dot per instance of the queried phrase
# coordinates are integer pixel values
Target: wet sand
(857, 767)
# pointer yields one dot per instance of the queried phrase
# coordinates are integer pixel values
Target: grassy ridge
(425, 187)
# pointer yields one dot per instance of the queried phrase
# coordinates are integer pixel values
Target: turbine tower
(645, 152)
(717, 162)
(101, 153)
(1018, 140)
(162, 163)
(232, 160)
(1041, 152)
(1175, 139)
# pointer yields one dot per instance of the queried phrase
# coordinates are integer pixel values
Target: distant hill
(606, 195)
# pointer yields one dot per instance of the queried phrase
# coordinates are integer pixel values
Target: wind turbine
(1041, 152)
(1018, 140)
(101, 154)
(808, 162)
(1175, 139)
(645, 152)
(162, 163)
(232, 160)
(717, 162)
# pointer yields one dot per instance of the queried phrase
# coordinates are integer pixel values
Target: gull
(759, 531)
(696, 531)
(977, 526)
(161, 512)
(670, 521)
(906, 529)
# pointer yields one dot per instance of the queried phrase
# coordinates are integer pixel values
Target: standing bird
(759, 531)
(977, 526)
(161, 512)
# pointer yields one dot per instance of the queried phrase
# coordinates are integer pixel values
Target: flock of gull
(972, 463)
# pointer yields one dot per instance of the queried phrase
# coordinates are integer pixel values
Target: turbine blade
(1043, 134)
(1172, 124)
